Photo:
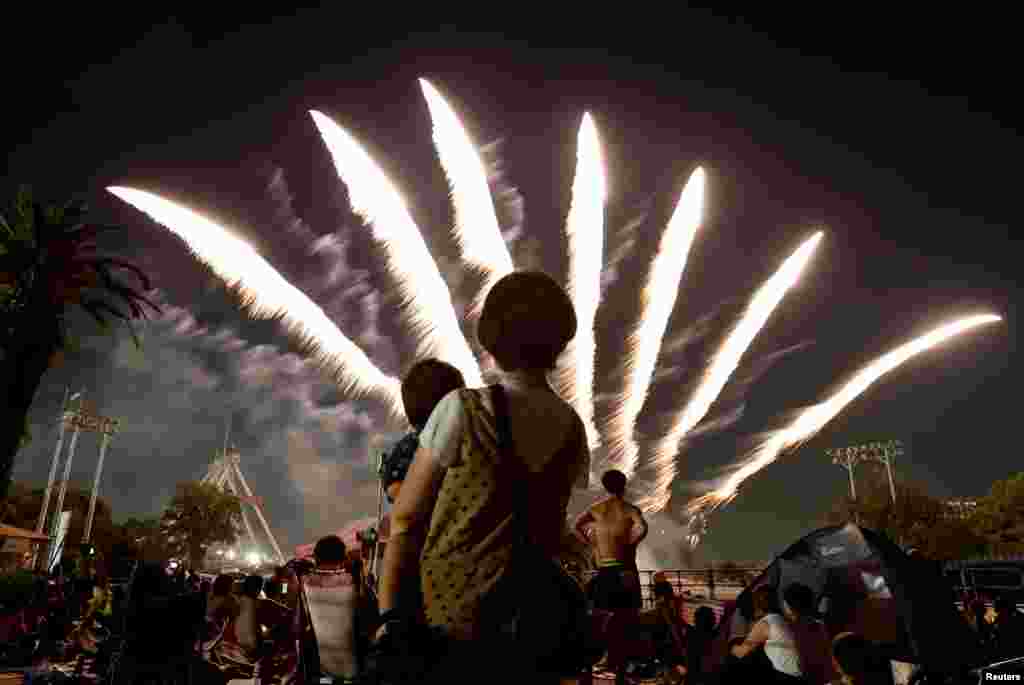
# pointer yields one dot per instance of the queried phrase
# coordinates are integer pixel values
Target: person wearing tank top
(774, 633)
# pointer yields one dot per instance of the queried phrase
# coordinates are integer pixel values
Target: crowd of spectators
(471, 588)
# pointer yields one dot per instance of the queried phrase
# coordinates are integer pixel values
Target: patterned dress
(470, 539)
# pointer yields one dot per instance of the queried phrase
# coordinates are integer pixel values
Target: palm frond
(103, 306)
(127, 266)
(131, 296)
(94, 312)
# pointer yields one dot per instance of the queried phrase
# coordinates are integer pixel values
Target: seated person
(222, 604)
(812, 639)
(774, 633)
(698, 646)
(1008, 629)
(247, 626)
(331, 597)
(673, 632)
(858, 662)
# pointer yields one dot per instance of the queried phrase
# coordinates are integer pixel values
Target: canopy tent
(864, 583)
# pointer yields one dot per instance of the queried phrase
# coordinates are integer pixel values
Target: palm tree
(50, 265)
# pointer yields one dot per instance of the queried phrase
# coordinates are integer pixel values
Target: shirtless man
(614, 527)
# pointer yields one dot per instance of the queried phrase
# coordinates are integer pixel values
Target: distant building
(961, 507)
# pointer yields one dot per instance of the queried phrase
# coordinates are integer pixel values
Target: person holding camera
(493, 466)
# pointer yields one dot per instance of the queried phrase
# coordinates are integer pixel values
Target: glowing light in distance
(427, 302)
(657, 302)
(722, 367)
(270, 295)
(475, 229)
(814, 419)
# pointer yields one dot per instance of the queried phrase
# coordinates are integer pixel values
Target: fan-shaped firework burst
(433, 321)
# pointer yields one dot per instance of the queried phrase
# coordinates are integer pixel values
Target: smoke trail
(814, 419)
(723, 366)
(427, 301)
(476, 228)
(509, 204)
(269, 295)
(584, 229)
(659, 297)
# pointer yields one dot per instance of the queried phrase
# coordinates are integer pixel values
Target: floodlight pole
(882, 452)
(107, 427)
(885, 453)
(848, 458)
(75, 419)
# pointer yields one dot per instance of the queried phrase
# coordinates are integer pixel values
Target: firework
(427, 301)
(722, 367)
(658, 300)
(476, 227)
(814, 419)
(269, 295)
(435, 325)
(584, 229)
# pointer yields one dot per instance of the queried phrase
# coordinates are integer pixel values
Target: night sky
(893, 132)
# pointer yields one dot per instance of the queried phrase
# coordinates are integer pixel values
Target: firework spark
(477, 232)
(270, 295)
(658, 300)
(814, 419)
(722, 367)
(476, 227)
(584, 230)
(427, 301)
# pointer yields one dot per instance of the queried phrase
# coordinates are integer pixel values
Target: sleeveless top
(332, 598)
(469, 543)
(781, 647)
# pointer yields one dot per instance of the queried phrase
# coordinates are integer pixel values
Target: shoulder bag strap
(506, 449)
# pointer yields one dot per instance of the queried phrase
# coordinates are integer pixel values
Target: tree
(916, 520)
(999, 517)
(199, 515)
(49, 266)
(23, 503)
(139, 539)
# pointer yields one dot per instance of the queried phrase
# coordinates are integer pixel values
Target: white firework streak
(475, 229)
(812, 420)
(658, 301)
(722, 367)
(427, 301)
(584, 228)
(270, 296)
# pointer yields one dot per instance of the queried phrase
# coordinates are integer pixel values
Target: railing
(697, 584)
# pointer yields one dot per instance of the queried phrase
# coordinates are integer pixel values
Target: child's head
(426, 384)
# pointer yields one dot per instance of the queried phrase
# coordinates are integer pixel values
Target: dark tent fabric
(866, 584)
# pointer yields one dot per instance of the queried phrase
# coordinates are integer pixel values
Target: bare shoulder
(600, 508)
